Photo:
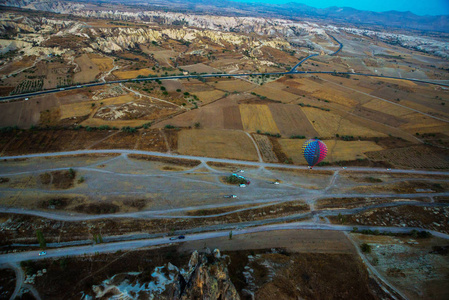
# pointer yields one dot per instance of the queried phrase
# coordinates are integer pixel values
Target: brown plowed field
(291, 120)
(232, 118)
(25, 142)
(419, 156)
(217, 115)
(378, 116)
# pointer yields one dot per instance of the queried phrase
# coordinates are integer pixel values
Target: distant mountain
(294, 10)
(406, 20)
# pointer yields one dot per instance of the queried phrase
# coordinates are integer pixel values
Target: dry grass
(328, 124)
(216, 143)
(229, 167)
(257, 117)
(167, 160)
(133, 73)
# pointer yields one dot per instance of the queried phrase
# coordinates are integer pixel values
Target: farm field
(216, 143)
(209, 96)
(221, 114)
(237, 85)
(390, 108)
(328, 124)
(132, 73)
(275, 93)
(334, 97)
(265, 148)
(88, 69)
(291, 120)
(257, 117)
(418, 156)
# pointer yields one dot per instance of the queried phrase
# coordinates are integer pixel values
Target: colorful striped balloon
(314, 151)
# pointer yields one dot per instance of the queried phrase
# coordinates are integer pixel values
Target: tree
(365, 248)
(230, 235)
(197, 125)
(41, 239)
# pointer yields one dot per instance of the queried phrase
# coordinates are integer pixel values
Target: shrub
(129, 129)
(365, 248)
(41, 239)
(234, 179)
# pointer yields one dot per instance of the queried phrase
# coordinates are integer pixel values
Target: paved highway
(127, 245)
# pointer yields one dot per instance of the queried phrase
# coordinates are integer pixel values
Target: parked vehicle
(42, 253)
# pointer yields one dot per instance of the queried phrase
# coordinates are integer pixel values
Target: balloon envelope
(314, 151)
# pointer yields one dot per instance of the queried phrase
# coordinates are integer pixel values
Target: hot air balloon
(314, 151)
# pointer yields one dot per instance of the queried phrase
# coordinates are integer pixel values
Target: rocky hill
(205, 277)
(273, 32)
